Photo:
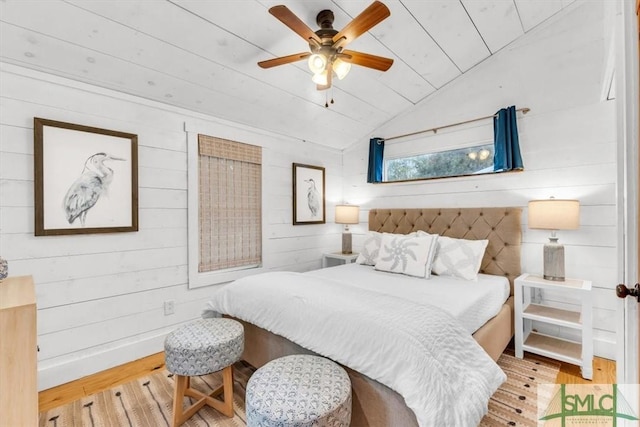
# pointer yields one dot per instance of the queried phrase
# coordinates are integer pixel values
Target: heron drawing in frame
(90, 185)
(313, 197)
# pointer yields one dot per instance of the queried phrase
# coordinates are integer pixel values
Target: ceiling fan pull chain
(332, 94)
(326, 100)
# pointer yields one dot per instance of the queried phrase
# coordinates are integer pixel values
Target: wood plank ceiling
(202, 55)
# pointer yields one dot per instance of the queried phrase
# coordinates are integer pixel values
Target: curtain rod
(524, 110)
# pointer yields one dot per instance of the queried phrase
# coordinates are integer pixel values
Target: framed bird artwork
(308, 194)
(86, 179)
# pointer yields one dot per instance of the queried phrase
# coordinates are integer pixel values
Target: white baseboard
(604, 349)
(61, 371)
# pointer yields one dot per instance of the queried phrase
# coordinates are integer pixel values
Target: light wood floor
(604, 372)
(96, 383)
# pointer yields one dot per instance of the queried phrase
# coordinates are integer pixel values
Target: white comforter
(473, 303)
(418, 350)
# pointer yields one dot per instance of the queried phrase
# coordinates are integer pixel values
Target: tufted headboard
(501, 226)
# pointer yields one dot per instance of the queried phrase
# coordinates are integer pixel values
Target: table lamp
(347, 214)
(554, 214)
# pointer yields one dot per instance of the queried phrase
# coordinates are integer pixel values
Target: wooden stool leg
(224, 406)
(183, 388)
(227, 382)
(181, 385)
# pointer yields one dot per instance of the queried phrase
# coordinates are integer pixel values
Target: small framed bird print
(86, 179)
(308, 194)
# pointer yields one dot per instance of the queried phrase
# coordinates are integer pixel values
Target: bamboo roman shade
(230, 204)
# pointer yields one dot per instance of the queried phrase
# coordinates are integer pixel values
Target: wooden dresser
(18, 353)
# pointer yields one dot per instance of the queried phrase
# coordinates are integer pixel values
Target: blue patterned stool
(300, 391)
(200, 348)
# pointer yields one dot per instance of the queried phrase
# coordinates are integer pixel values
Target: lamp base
(346, 243)
(554, 261)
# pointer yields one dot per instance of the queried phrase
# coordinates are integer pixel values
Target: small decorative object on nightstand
(526, 311)
(337, 258)
(4, 268)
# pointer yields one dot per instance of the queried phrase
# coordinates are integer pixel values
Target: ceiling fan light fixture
(327, 44)
(341, 68)
(317, 63)
(321, 79)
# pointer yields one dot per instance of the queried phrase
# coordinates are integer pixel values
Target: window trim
(197, 279)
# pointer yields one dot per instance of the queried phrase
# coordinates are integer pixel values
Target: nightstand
(526, 311)
(337, 258)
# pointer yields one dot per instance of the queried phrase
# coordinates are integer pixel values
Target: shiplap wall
(568, 143)
(100, 296)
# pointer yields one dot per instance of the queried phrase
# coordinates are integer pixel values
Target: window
(228, 239)
(456, 162)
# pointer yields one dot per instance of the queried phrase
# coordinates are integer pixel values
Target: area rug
(516, 401)
(147, 401)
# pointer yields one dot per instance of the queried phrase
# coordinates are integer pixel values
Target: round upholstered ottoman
(200, 348)
(300, 391)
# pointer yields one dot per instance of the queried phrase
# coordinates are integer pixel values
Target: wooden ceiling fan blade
(369, 18)
(289, 19)
(284, 60)
(367, 60)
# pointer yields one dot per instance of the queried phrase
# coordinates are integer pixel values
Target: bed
(374, 403)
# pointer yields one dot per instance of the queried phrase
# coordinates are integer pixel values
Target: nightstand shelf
(553, 347)
(338, 258)
(556, 316)
(526, 312)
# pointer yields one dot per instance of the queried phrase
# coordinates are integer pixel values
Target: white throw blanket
(418, 350)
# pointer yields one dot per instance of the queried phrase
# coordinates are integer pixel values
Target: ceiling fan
(327, 53)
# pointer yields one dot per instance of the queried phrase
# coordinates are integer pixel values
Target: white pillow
(459, 257)
(432, 252)
(370, 249)
(406, 254)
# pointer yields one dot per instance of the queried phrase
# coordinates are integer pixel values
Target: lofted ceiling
(201, 55)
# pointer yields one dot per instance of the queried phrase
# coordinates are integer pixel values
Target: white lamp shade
(321, 78)
(341, 68)
(347, 214)
(317, 63)
(554, 214)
